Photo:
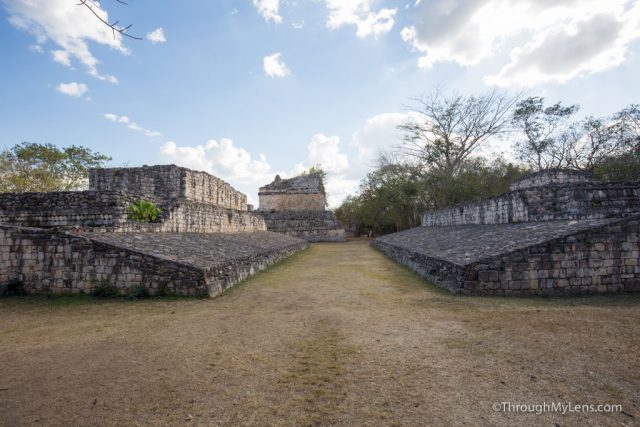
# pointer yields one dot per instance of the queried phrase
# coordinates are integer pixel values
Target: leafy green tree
(394, 195)
(45, 167)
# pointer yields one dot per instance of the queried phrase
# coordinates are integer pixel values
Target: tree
(626, 124)
(44, 167)
(592, 144)
(547, 134)
(450, 128)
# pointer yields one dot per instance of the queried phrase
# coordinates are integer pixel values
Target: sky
(247, 89)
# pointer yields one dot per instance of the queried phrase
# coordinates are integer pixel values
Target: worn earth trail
(336, 335)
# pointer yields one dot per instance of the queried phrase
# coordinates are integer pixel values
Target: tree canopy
(446, 129)
(44, 167)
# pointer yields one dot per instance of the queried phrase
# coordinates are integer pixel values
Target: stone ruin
(205, 240)
(555, 232)
(297, 207)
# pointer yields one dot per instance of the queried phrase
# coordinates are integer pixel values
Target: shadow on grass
(53, 300)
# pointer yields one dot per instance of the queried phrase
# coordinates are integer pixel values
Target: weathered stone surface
(556, 232)
(84, 238)
(553, 177)
(545, 258)
(107, 211)
(301, 193)
(296, 207)
(312, 226)
(167, 183)
(88, 208)
(546, 203)
(49, 260)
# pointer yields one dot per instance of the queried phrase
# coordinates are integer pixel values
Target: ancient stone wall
(552, 176)
(590, 258)
(545, 203)
(168, 183)
(107, 211)
(49, 260)
(70, 208)
(313, 226)
(301, 193)
(292, 202)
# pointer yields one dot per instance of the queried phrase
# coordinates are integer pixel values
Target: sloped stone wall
(49, 260)
(554, 258)
(546, 203)
(45, 261)
(168, 182)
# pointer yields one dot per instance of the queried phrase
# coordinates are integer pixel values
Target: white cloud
(70, 26)
(156, 36)
(131, 125)
(61, 56)
(324, 151)
(554, 40)
(358, 13)
(568, 51)
(269, 9)
(380, 133)
(72, 89)
(274, 67)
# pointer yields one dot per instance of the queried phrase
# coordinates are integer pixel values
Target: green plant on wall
(144, 211)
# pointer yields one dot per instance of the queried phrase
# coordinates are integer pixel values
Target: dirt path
(335, 335)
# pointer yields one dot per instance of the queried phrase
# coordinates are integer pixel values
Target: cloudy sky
(246, 89)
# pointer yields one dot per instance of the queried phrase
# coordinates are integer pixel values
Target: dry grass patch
(335, 335)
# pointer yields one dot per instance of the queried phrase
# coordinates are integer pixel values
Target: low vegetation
(144, 211)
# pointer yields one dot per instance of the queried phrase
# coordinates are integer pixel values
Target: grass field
(335, 335)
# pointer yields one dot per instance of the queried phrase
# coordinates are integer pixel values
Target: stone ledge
(553, 258)
(47, 260)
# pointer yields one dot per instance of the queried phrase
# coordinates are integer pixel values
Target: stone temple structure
(556, 232)
(297, 207)
(68, 242)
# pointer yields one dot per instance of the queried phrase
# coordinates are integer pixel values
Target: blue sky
(246, 89)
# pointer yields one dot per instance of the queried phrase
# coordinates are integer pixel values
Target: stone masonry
(68, 242)
(168, 182)
(296, 207)
(571, 236)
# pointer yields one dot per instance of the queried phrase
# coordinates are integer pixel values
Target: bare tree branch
(89, 4)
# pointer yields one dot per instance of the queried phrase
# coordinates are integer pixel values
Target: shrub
(164, 290)
(104, 289)
(139, 292)
(144, 211)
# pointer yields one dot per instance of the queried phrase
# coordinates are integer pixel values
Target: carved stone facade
(556, 233)
(70, 241)
(296, 207)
